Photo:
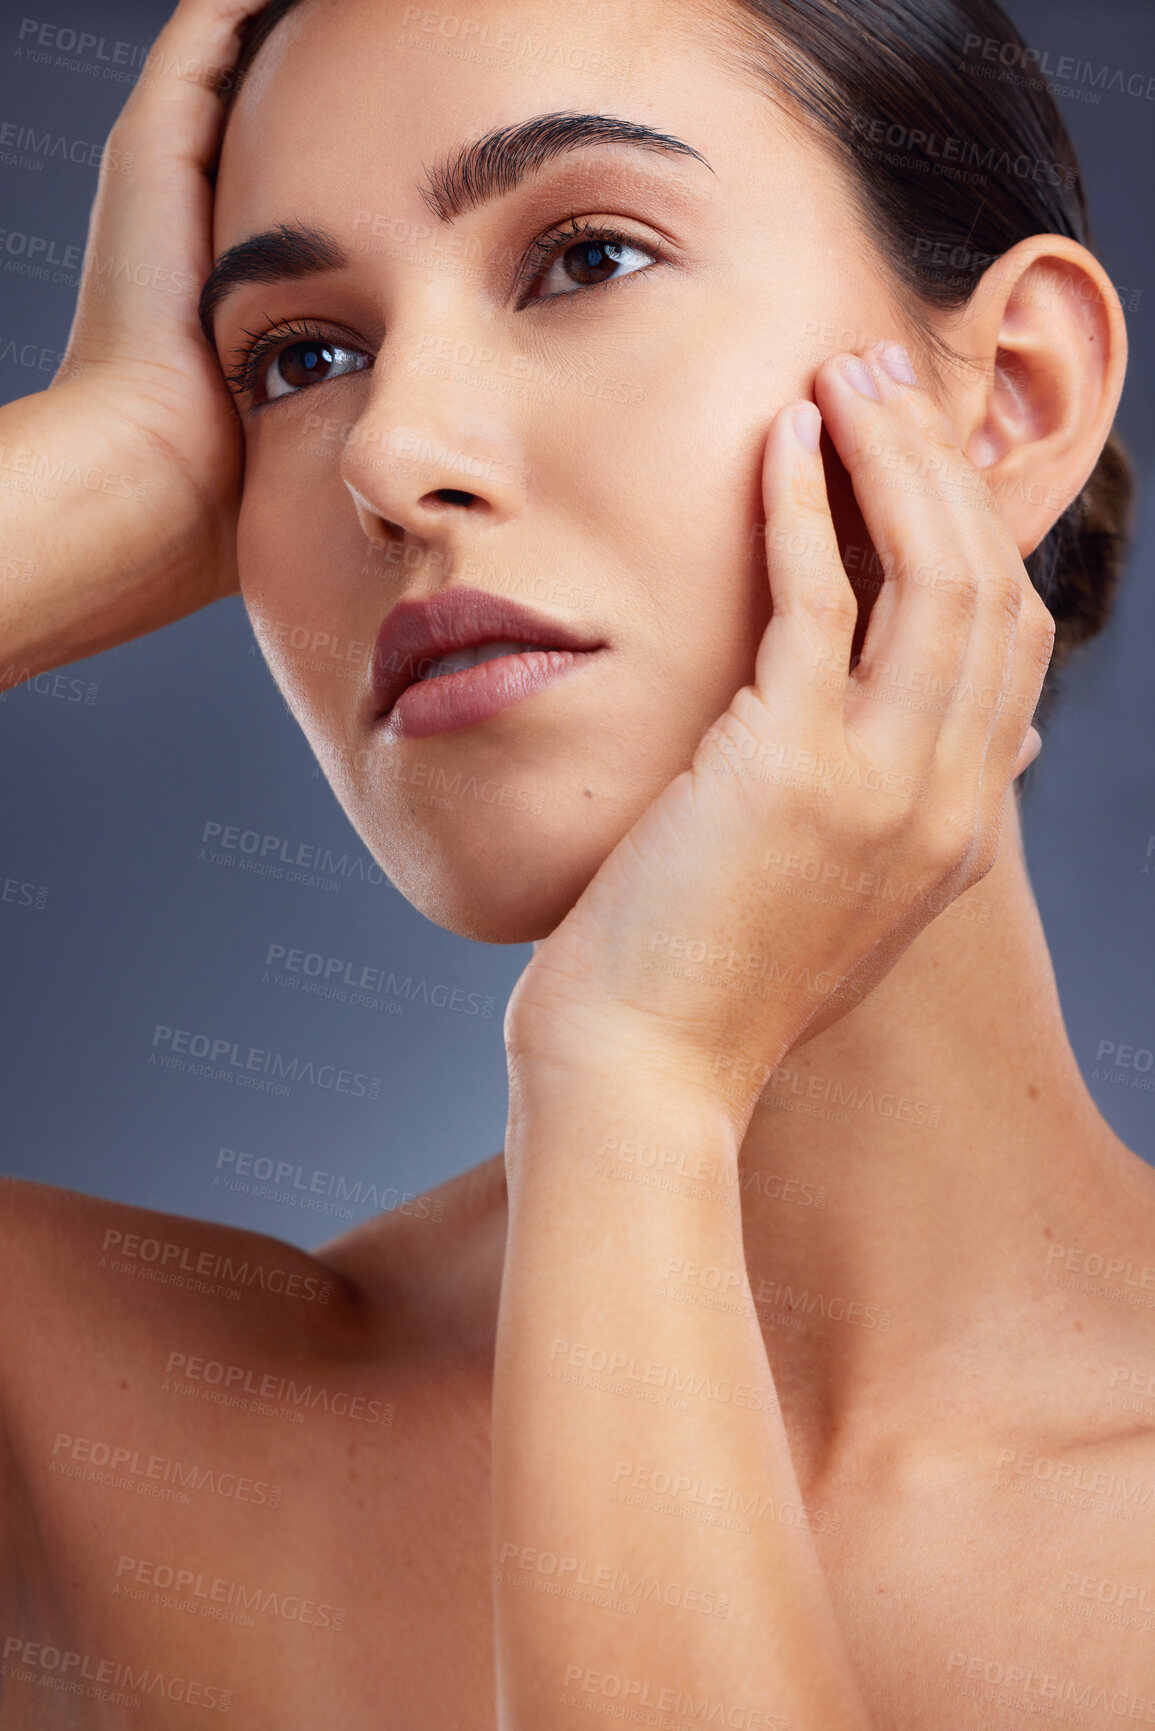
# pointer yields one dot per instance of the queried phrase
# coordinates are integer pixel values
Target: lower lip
(475, 694)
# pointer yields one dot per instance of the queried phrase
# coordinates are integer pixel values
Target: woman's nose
(424, 453)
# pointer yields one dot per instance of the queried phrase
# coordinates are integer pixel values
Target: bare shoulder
(70, 1247)
(169, 1386)
(68, 1260)
(437, 1259)
(1093, 1414)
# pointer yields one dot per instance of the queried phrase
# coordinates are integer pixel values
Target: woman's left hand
(682, 950)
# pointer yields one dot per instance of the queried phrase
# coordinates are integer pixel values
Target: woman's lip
(455, 700)
(417, 633)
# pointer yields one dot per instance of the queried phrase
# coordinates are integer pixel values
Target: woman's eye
(588, 262)
(310, 362)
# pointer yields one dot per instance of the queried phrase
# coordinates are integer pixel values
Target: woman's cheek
(301, 564)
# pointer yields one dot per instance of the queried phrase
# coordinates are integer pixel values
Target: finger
(987, 687)
(919, 508)
(1012, 734)
(986, 692)
(804, 657)
(151, 219)
(1030, 749)
(188, 68)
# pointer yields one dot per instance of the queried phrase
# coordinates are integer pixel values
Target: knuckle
(984, 490)
(955, 583)
(1041, 619)
(1040, 645)
(809, 492)
(934, 429)
(984, 853)
(829, 604)
(950, 840)
(1006, 588)
(885, 827)
(977, 866)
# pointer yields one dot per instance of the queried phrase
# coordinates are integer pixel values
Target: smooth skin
(898, 1437)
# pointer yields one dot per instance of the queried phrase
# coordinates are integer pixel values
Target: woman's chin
(487, 914)
(496, 895)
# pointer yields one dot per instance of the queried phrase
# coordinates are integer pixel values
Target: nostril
(452, 496)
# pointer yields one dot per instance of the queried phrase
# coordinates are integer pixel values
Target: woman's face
(574, 430)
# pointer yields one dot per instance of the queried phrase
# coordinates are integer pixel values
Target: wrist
(708, 1075)
(618, 1091)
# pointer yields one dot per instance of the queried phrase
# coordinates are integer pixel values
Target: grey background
(111, 769)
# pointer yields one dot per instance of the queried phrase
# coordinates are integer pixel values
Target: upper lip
(418, 631)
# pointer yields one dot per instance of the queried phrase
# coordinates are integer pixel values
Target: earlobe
(1055, 344)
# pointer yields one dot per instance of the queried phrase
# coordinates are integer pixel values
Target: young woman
(758, 1381)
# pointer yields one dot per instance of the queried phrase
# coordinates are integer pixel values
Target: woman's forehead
(345, 85)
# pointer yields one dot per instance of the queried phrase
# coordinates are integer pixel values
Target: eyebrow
(497, 163)
(280, 254)
(486, 168)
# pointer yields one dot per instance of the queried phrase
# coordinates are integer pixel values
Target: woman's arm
(679, 969)
(121, 482)
(104, 538)
(605, 1380)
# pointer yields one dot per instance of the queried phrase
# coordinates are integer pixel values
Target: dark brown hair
(956, 151)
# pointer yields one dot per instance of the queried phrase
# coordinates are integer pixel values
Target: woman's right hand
(686, 953)
(137, 369)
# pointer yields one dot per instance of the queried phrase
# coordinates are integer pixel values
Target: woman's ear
(1046, 330)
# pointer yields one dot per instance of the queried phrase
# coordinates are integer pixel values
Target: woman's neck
(909, 1172)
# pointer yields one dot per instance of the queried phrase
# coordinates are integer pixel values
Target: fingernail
(894, 361)
(858, 374)
(1032, 745)
(807, 426)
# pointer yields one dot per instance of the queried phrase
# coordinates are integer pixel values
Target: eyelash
(244, 374)
(557, 240)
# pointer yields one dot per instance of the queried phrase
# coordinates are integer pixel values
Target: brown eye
(309, 362)
(587, 262)
(592, 260)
